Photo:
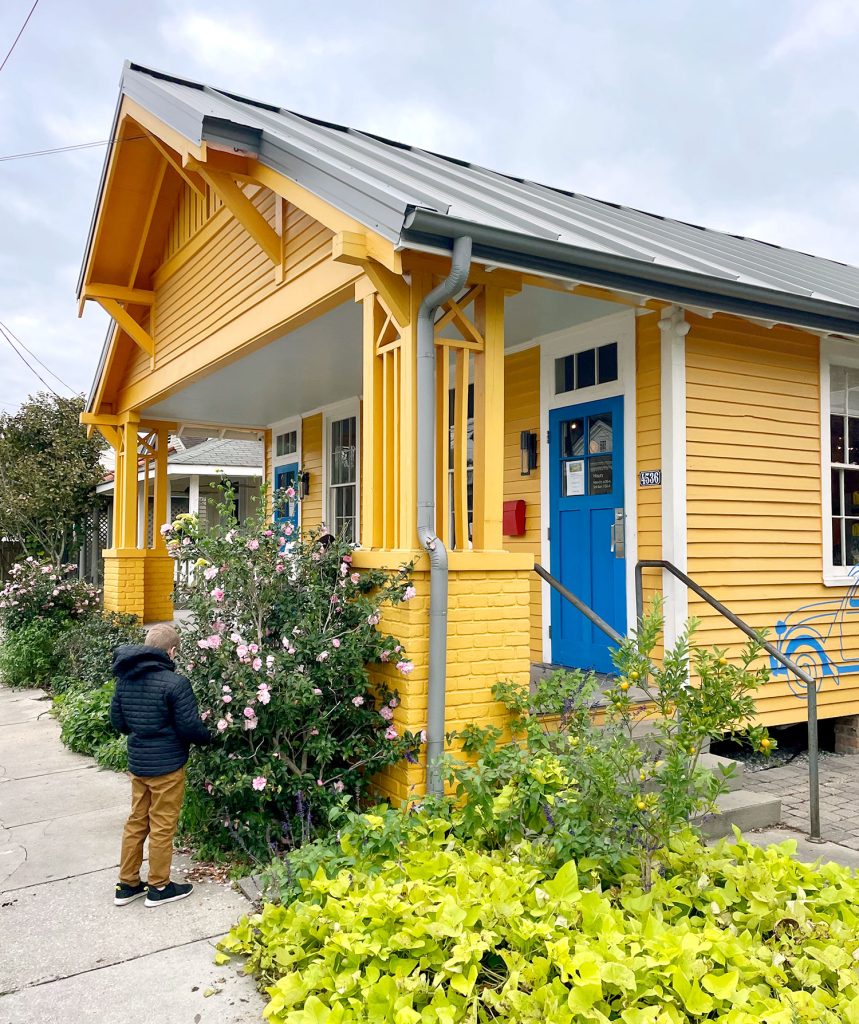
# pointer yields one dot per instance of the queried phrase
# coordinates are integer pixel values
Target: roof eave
(428, 229)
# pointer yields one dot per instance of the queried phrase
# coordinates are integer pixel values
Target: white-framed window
(839, 444)
(286, 443)
(342, 470)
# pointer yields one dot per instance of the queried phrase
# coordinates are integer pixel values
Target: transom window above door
(286, 443)
(586, 369)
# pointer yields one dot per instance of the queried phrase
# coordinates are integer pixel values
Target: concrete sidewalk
(67, 954)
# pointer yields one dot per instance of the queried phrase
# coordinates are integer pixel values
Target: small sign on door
(574, 477)
(650, 478)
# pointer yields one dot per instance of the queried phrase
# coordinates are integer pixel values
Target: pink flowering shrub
(39, 590)
(285, 629)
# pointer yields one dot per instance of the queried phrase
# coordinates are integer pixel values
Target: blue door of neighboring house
(587, 531)
(286, 476)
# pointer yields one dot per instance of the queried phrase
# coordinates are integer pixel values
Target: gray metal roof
(221, 452)
(419, 199)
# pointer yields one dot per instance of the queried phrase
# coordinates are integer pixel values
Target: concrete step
(743, 808)
(718, 765)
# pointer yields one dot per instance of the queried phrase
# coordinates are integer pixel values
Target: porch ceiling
(312, 366)
(320, 364)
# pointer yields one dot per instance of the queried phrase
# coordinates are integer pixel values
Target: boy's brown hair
(163, 636)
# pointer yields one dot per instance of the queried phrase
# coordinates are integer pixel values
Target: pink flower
(263, 696)
(210, 788)
(165, 529)
(409, 593)
(319, 782)
(253, 648)
(204, 715)
(423, 735)
(211, 572)
(218, 594)
(288, 529)
(279, 567)
(212, 642)
(222, 724)
(249, 713)
(347, 559)
(373, 620)
(242, 652)
(357, 701)
(235, 638)
(405, 667)
(355, 578)
(338, 787)
(314, 732)
(317, 692)
(335, 642)
(384, 655)
(394, 702)
(390, 733)
(186, 543)
(344, 568)
(253, 544)
(227, 697)
(267, 533)
(251, 723)
(386, 713)
(227, 689)
(322, 655)
(256, 664)
(269, 660)
(290, 492)
(259, 782)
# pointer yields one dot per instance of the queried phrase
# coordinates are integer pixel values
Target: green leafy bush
(615, 788)
(284, 630)
(444, 934)
(28, 654)
(86, 651)
(85, 727)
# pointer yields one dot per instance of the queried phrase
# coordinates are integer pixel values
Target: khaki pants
(155, 806)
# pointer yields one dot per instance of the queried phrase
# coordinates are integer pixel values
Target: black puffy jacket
(156, 708)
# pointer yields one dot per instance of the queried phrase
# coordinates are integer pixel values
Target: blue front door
(586, 522)
(286, 510)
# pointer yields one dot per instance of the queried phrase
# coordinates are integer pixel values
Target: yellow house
(479, 372)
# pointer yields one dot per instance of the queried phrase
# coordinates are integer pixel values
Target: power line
(23, 359)
(17, 37)
(18, 341)
(71, 149)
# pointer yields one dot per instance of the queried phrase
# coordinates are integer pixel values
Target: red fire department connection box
(514, 518)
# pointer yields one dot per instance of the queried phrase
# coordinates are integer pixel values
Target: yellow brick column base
(488, 640)
(158, 586)
(124, 576)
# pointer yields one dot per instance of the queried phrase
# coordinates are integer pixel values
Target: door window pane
(600, 433)
(600, 475)
(572, 439)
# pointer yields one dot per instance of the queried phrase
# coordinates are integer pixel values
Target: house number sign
(650, 478)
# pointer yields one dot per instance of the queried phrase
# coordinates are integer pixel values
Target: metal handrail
(577, 603)
(791, 666)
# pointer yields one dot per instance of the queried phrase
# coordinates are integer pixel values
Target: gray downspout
(453, 283)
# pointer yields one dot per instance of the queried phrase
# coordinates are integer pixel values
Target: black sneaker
(126, 893)
(167, 894)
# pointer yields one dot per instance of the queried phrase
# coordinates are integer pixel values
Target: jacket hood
(133, 660)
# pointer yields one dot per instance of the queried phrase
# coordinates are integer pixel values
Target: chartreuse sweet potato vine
(444, 934)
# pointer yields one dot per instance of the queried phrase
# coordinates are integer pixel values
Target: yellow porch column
(489, 606)
(124, 563)
(158, 577)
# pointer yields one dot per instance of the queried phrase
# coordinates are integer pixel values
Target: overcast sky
(734, 115)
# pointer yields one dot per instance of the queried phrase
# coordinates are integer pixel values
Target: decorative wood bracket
(133, 296)
(244, 211)
(107, 426)
(128, 324)
(187, 175)
(350, 247)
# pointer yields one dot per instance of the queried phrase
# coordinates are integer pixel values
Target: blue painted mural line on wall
(813, 637)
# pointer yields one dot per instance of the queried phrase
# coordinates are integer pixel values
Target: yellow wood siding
(192, 212)
(219, 274)
(754, 506)
(311, 462)
(522, 412)
(648, 442)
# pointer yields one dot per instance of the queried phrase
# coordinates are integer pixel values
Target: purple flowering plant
(284, 630)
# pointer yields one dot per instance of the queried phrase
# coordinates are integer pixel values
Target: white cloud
(818, 26)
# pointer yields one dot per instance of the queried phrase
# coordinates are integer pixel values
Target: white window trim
(330, 413)
(619, 327)
(292, 423)
(838, 353)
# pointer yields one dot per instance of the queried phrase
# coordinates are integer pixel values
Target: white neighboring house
(195, 467)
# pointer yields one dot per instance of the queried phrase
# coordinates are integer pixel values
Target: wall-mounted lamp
(303, 485)
(528, 451)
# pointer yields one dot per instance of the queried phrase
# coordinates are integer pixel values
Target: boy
(156, 708)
